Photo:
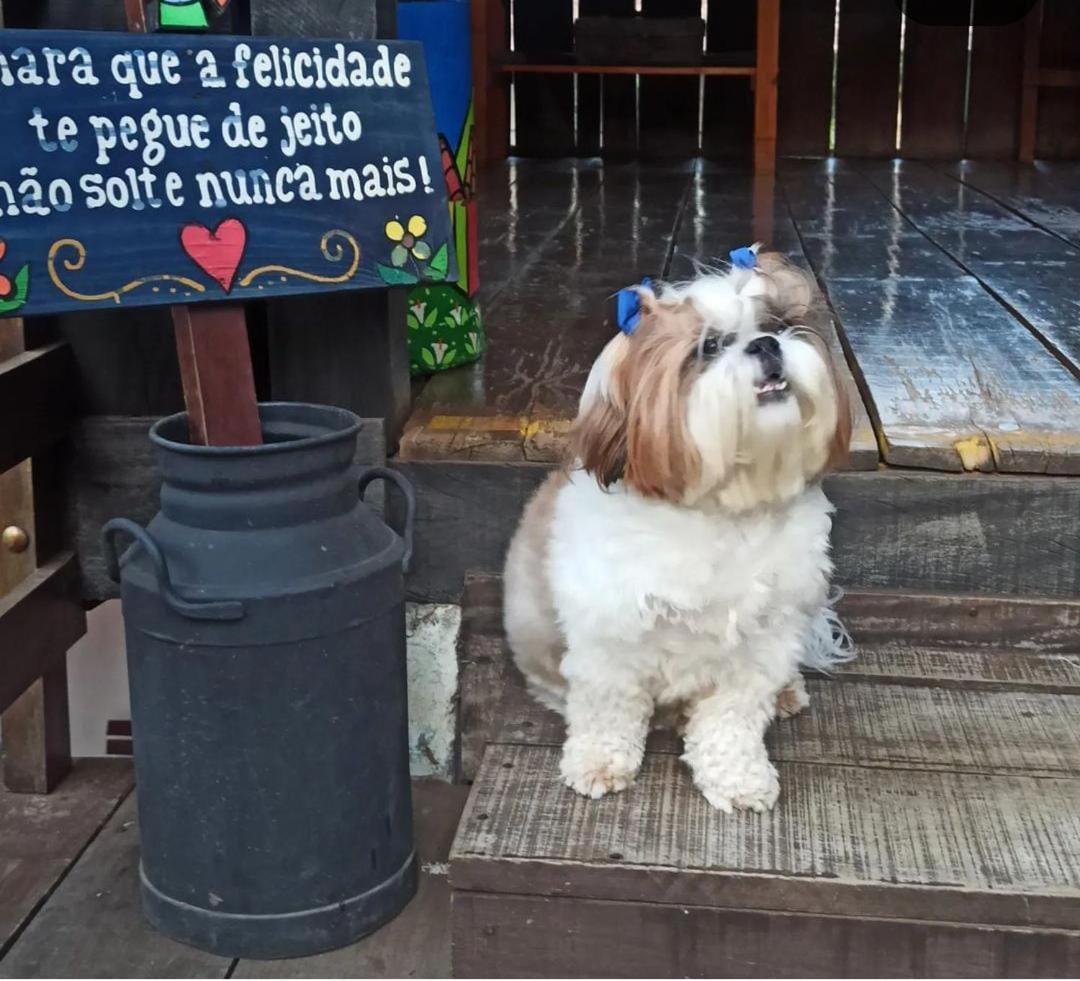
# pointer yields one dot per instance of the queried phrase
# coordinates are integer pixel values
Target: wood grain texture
(1028, 271)
(43, 837)
(524, 936)
(37, 741)
(991, 534)
(935, 81)
(806, 67)
(216, 373)
(867, 79)
(993, 118)
(92, 924)
(1047, 196)
(924, 845)
(39, 620)
(417, 943)
(1058, 132)
(957, 382)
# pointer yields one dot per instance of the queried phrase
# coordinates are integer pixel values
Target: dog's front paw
(594, 772)
(753, 786)
(793, 698)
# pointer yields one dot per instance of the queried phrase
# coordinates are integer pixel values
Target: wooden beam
(1029, 99)
(765, 86)
(39, 620)
(490, 110)
(36, 401)
(215, 366)
(513, 68)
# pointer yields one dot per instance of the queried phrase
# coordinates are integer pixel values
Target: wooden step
(928, 825)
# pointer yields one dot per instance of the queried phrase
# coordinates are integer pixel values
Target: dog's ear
(790, 295)
(598, 436)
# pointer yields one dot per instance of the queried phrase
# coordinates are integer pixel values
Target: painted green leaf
(413, 323)
(439, 262)
(429, 320)
(449, 356)
(395, 277)
(22, 290)
(429, 358)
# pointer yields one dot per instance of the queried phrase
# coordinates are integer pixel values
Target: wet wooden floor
(69, 904)
(951, 289)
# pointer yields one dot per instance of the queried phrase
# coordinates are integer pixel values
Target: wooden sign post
(199, 170)
(214, 353)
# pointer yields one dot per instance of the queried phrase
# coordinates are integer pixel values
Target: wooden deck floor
(951, 286)
(69, 904)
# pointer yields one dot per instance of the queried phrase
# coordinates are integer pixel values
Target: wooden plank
(92, 924)
(874, 715)
(215, 368)
(931, 846)
(669, 106)
(544, 104)
(1027, 270)
(728, 110)
(956, 382)
(417, 943)
(993, 117)
(37, 398)
(867, 79)
(525, 936)
(963, 620)
(44, 836)
(560, 68)
(1047, 196)
(893, 530)
(765, 86)
(806, 70)
(490, 35)
(37, 742)
(1058, 134)
(529, 382)
(39, 620)
(113, 472)
(935, 88)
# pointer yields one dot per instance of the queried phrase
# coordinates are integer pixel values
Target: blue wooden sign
(137, 170)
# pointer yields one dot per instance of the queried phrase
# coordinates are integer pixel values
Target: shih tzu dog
(680, 566)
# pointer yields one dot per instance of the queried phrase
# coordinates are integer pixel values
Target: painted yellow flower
(409, 238)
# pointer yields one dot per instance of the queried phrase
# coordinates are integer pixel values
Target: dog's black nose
(767, 349)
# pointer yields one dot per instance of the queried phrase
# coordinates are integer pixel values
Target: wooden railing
(856, 78)
(41, 612)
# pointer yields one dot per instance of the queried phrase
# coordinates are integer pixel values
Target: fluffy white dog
(681, 565)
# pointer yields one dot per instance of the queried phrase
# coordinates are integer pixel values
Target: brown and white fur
(680, 564)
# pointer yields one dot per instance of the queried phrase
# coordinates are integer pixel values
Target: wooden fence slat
(544, 104)
(1058, 133)
(36, 401)
(867, 78)
(806, 67)
(935, 77)
(728, 113)
(994, 102)
(595, 92)
(669, 106)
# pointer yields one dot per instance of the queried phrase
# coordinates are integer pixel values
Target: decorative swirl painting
(189, 168)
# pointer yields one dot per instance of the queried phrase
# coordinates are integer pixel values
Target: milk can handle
(210, 610)
(408, 492)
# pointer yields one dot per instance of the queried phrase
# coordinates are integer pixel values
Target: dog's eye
(710, 346)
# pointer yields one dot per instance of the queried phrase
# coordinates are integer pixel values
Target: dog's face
(721, 394)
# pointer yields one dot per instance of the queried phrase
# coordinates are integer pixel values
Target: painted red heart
(217, 253)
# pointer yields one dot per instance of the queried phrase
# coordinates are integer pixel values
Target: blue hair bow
(744, 258)
(628, 307)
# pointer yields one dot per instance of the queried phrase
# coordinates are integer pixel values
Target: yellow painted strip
(521, 425)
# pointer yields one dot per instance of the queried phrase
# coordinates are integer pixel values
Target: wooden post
(1029, 95)
(491, 131)
(765, 86)
(214, 353)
